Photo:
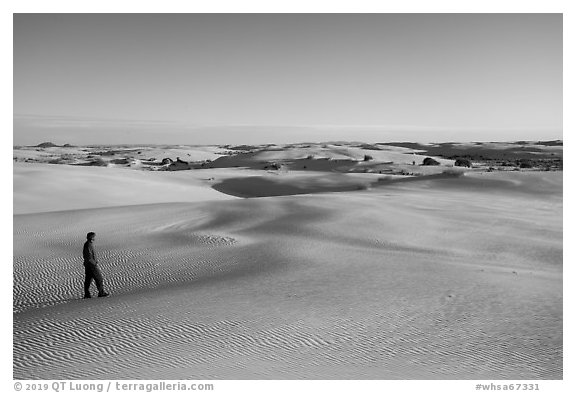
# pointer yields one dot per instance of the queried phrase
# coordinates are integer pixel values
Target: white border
(338, 6)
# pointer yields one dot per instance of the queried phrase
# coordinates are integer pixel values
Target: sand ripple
(308, 288)
(53, 256)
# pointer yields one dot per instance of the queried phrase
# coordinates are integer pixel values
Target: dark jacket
(89, 254)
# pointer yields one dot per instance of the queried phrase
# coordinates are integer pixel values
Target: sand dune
(435, 279)
(344, 152)
(45, 187)
(78, 154)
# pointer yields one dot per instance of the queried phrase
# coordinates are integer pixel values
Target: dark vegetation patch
(114, 152)
(367, 146)
(557, 142)
(519, 155)
(246, 147)
(463, 162)
(95, 162)
(120, 161)
(428, 161)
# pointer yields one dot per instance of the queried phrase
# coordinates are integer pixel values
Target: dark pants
(93, 273)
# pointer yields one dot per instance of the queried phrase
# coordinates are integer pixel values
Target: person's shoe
(87, 296)
(103, 294)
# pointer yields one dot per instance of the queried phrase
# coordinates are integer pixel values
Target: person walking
(91, 268)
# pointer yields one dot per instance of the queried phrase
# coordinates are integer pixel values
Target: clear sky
(249, 78)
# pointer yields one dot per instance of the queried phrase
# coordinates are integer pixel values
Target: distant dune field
(454, 277)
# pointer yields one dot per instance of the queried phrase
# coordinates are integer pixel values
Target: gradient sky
(249, 78)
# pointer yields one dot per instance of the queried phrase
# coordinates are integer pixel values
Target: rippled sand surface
(449, 279)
